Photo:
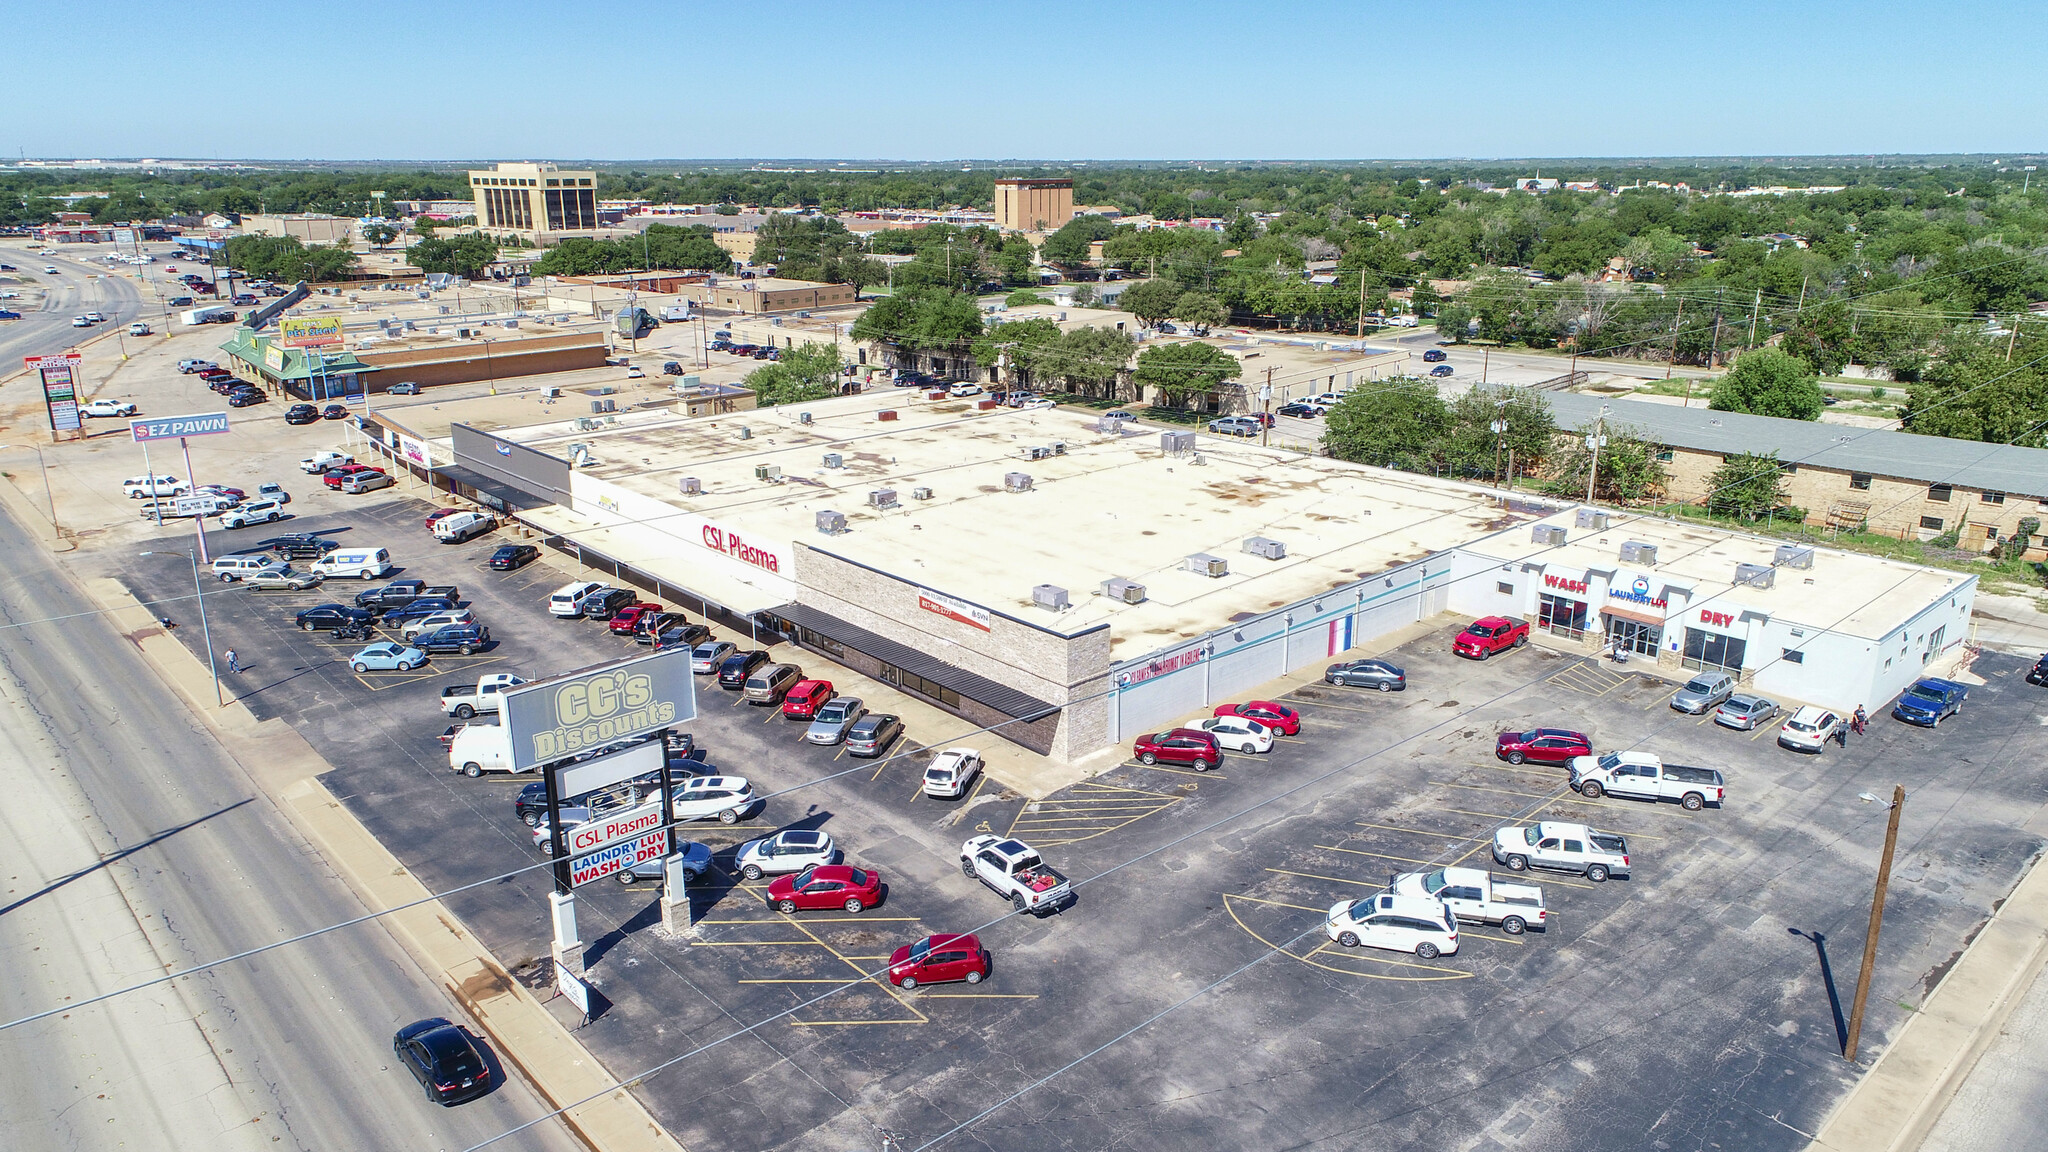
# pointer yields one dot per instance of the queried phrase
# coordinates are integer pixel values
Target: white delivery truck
(480, 748)
(209, 315)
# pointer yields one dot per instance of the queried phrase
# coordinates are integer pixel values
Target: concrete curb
(525, 1033)
(1898, 1101)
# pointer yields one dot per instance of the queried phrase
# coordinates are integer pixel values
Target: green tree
(380, 235)
(1023, 298)
(1241, 230)
(1069, 245)
(1629, 471)
(1178, 371)
(1453, 321)
(1200, 310)
(425, 225)
(861, 272)
(1151, 301)
(1424, 300)
(921, 320)
(1398, 423)
(1026, 345)
(465, 255)
(1748, 486)
(1821, 335)
(1767, 382)
(810, 371)
(1091, 360)
(1472, 447)
(1972, 392)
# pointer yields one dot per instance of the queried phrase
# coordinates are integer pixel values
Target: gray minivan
(770, 683)
(1704, 691)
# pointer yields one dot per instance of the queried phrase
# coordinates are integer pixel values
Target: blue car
(387, 658)
(1930, 702)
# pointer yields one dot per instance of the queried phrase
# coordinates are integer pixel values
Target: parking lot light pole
(1884, 876)
(55, 532)
(205, 632)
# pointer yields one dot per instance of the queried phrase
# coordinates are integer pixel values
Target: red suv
(827, 886)
(1190, 746)
(1489, 634)
(335, 476)
(806, 698)
(1545, 745)
(939, 960)
(1279, 717)
(626, 619)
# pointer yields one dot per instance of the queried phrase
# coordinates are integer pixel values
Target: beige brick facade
(1033, 205)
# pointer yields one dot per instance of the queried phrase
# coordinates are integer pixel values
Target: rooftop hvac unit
(1176, 443)
(882, 498)
(1637, 552)
(1050, 597)
(746, 433)
(1588, 518)
(1207, 565)
(1017, 481)
(1057, 447)
(1034, 452)
(834, 460)
(803, 417)
(1549, 535)
(1792, 556)
(690, 486)
(769, 472)
(1270, 549)
(1128, 591)
(920, 493)
(832, 523)
(1756, 575)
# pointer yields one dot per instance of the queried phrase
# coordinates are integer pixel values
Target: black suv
(301, 414)
(603, 603)
(419, 609)
(680, 633)
(732, 675)
(299, 546)
(463, 638)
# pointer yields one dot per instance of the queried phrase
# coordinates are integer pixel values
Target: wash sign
(174, 427)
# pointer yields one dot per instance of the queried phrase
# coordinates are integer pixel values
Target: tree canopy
(810, 371)
(286, 259)
(921, 320)
(465, 255)
(1187, 368)
(1767, 382)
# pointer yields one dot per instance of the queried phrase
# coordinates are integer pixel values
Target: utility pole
(1802, 294)
(1595, 442)
(1500, 434)
(1754, 305)
(1676, 322)
(1359, 333)
(1266, 402)
(2009, 340)
(1884, 877)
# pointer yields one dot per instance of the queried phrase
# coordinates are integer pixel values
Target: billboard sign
(972, 615)
(612, 860)
(309, 331)
(196, 505)
(60, 389)
(177, 427)
(600, 831)
(552, 719)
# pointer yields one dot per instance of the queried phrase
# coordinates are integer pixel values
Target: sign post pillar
(678, 914)
(568, 950)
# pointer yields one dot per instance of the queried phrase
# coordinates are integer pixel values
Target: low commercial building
(309, 227)
(756, 295)
(310, 375)
(1894, 483)
(1075, 586)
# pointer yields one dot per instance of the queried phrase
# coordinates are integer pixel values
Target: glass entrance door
(1561, 616)
(1641, 639)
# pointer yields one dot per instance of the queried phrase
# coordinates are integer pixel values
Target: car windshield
(1924, 693)
(804, 877)
(1610, 762)
(921, 949)
(1700, 685)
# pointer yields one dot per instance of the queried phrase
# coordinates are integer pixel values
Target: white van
(480, 748)
(367, 563)
(233, 568)
(569, 599)
(462, 526)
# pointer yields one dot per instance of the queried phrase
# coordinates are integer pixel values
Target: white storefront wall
(1153, 690)
(766, 565)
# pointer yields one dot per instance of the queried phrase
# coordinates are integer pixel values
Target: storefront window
(1705, 651)
(1641, 639)
(1561, 616)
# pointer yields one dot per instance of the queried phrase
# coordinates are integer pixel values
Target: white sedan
(724, 798)
(1239, 733)
(790, 851)
(106, 408)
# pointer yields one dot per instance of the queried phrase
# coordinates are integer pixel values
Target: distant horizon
(829, 163)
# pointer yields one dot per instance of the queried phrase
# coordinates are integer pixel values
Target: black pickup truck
(399, 593)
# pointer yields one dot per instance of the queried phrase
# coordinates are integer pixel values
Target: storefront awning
(518, 499)
(1007, 700)
(1638, 617)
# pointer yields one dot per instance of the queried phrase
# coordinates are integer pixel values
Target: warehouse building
(1080, 584)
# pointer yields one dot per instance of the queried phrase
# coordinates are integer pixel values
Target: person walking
(234, 665)
(1842, 734)
(1860, 721)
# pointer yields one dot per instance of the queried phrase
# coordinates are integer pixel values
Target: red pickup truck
(1489, 634)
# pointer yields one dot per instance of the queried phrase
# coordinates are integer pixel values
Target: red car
(438, 515)
(827, 886)
(335, 476)
(1545, 745)
(1489, 634)
(805, 698)
(1190, 746)
(626, 619)
(1279, 717)
(939, 960)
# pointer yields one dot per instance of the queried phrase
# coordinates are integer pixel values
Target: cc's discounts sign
(60, 388)
(584, 711)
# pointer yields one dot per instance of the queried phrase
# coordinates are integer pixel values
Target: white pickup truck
(1645, 775)
(466, 700)
(1474, 896)
(1014, 870)
(1562, 848)
(320, 462)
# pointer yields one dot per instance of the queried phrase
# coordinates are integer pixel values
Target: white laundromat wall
(1149, 691)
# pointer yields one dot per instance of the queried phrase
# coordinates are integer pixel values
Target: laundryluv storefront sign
(1634, 589)
(554, 719)
(616, 858)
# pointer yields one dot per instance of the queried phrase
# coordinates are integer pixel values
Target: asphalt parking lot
(1699, 1003)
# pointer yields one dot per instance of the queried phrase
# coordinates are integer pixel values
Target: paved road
(136, 843)
(79, 286)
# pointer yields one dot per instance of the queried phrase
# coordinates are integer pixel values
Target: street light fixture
(205, 632)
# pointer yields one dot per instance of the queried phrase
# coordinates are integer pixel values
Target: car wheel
(729, 816)
(1348, 939)
(966, 867)
(974, 977)
(1386, 687)
(547, 846)
(1597, 873)
(1147, 758)
(532, 819)
(474, 770)
(751, 871)
(227, 578)
(1514, 926)
(1590, 790)
(785, 906)
(1017, 902)
(853, 904)
(464, 712)
(305, 625)
(405, 665)
(1426, 951)
(366, 576)
(1518, 863)
(1485, 654)
(908, 983)
(466, 649)
(1521, 640)
(626, 876)
(1248, 749)
(361, 667)
(1516, 757)
(1693, 802)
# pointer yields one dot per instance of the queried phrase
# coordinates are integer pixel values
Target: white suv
(790, 851)
(725, 797)
(254, 512)
(1423, 925)
(1809, 729)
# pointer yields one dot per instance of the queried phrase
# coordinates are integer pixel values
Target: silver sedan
(831, 722)
(1744, 712)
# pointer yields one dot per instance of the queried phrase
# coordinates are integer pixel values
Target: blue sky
(1041, 80)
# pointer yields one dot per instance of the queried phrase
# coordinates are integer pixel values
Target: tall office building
(1033, 205)
(539, 201)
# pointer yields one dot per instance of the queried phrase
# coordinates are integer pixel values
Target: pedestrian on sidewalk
(234, 665)
(1860, 721)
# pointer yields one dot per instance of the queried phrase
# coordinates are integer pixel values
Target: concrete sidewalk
(527, 1035)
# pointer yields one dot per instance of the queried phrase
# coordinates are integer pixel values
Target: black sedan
(1300, 411)
(1433, 356)
(679, 634)
(334, 412)
(511, 556)
(302, 414)
(245, 399)
(732, 675)
(443, 1058)
(334, 616)
(1367, 674)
